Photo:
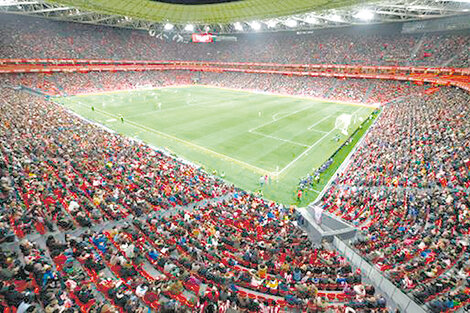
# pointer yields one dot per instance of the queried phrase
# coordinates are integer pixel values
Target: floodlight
(336, 18)
(238, 26)
(168, 26)
(365, 15)
(178, 38)
(311, 20)
(189, 28)
(290, 23)
(271, 23)
(255, 25)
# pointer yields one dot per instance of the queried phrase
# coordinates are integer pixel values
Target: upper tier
(27, 37)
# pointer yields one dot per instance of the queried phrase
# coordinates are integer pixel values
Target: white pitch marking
(170, 108)
(310, 148)
(220, 155)
(373, 105)
(318, 122)
(277, 138)
(275, 115)
(270, 122)
(305, 152)
(257, 169)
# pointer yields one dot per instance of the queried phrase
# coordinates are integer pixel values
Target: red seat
(282, 302)
(331, 296)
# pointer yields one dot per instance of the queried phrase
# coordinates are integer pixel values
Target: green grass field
(239, 134)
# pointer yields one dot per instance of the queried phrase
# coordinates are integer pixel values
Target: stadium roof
(222, 12)
(235, 16)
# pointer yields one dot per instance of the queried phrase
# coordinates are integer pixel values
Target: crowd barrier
(393, 293)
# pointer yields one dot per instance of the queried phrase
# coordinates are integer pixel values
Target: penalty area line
(318, 122)
(277, 120)
(277, 138)
(311, 147)
(188, 143)
(303, 153)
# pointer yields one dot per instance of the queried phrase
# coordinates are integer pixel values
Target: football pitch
(239, 135)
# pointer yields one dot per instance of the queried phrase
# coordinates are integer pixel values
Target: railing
(393, 293)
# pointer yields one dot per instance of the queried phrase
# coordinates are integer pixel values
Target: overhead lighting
(271, 23)
(290, 23)
(311, 20)
(255, 25)
(365, 15)
(189, 28)
(168, 26)
(336, 18)
(178, 38)
(238, 26)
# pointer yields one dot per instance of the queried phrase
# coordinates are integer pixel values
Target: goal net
(348, 122)
(343, 122)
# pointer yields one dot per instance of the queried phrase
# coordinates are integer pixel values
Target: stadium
(234, 156)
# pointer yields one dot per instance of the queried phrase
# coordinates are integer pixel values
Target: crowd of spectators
(108, 225)
(354, 90)
(27, 37)
(129, 245)
(408, 188)
(55, 178)
(77, 83)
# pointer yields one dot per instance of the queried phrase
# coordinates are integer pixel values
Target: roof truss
(381, 12)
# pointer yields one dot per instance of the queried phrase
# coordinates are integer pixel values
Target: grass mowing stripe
(219, 120)
(318, 122)
(303, 153)
(223, 156)
(276, 120)
(167, 103)
(268, 94)
(280, 139)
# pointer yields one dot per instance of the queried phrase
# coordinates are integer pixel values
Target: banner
(202, 38)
